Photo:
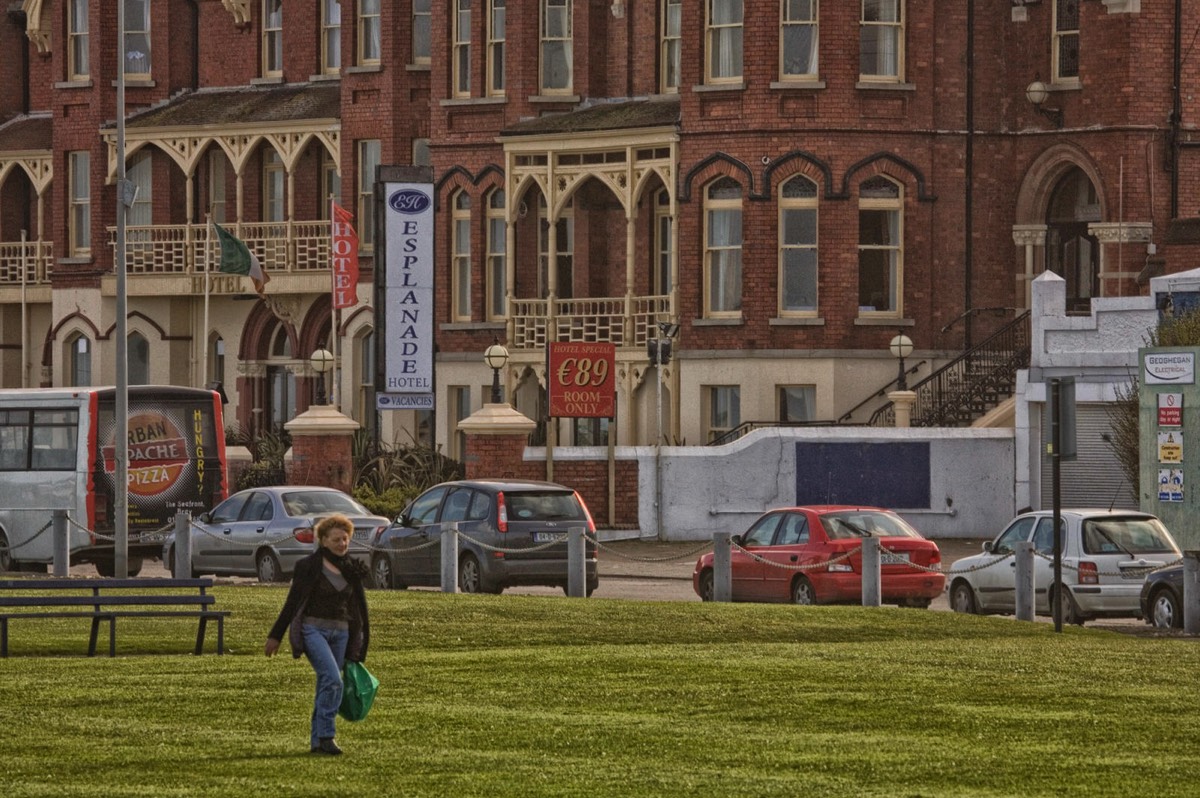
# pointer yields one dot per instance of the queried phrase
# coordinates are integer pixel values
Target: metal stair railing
(971, 384)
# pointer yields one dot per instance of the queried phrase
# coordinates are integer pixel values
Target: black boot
(326, 746)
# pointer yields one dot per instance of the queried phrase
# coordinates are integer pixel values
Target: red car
(821, 536)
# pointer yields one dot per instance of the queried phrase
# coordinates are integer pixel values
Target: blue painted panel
(882, 474)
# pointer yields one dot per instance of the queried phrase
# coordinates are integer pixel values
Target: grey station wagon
(510, 533)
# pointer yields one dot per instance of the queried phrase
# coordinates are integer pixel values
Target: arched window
(497, 255)
(364, 409)
(281, 381)
(79, 361)
(723, 248)
(663, 242)
(1071, 251)
(216, 358)
(460, 271)
(880, 247)
(798, 247)
(138, 352)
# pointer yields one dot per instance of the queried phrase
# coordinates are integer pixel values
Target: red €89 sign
(580, 379)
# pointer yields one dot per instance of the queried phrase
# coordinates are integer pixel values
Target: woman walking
(326, 610)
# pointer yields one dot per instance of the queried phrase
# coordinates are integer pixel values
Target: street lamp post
(321, 362)
(496, 356)
(901, 347)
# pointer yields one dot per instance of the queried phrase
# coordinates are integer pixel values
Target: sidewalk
(651, 558)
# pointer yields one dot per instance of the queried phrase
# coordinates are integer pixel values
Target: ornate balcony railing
(27, 262)
(624, 322)
(183, 248)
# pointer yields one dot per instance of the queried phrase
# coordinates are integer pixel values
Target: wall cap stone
(321, 420)
(497, 419)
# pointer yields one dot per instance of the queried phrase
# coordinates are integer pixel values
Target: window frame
(564, 260)
(715, 396)
(670, 46)
(274, 187)
(140, 172)
(460, 48)
(460, 257)
(272, 40)
(137, 352)
(566, 41)
(80, 365)
(784, 25)
(664, 243)
(79, 216)
(497, 18)
(893, 205)
(144, 35)
(218, 162)
(497, 257)
(899, 26)
(799, 205)
(1059, 36)
(712, 31)
(711, 207)
(422, 32)
(370, 154)
(331, 37)
(369, 32)
(781, 402)
(79, 66)
(331, 184)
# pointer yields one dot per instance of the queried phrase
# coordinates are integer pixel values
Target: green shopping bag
(358, 691)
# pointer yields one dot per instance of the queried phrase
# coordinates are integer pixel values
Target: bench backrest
(68, 592)
(69, 583)
(61, 600)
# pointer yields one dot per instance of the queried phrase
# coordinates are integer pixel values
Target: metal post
(450, 557)
(183, 545)
(121, 434)
(576, 563)
(872, 576)
(658, 491)
(1056, 476)
(62, 545)
(1191, 592)
(722, 567)
(1025, 580)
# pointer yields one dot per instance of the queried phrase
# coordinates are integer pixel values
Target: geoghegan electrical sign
(581, 380)
(1170, 368)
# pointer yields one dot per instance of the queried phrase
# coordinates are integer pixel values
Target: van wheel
(5, 555)
(268, 567)
(106, 568)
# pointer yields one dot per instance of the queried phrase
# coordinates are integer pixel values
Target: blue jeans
(326, 652)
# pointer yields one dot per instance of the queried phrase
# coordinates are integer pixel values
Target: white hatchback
(1106, 555)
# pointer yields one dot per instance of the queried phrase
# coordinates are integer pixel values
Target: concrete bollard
(182, 567)
(722, 567)
(450, 557)
(1191, 592)
(872, 573)
(576, 563)
(1025, 582)
(62, 542)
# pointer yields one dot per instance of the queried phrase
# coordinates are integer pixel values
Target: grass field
(545, 696)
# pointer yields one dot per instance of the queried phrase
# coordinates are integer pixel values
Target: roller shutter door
(1094, 478)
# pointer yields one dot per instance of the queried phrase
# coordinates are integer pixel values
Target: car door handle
(260, 529)
(227, 531)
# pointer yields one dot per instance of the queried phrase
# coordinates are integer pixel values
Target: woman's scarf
(352, 569)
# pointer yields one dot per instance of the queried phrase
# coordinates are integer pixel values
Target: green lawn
(527, 696)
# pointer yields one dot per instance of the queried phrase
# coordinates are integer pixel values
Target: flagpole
(208, 236)
(335, 394)
(24, 311)
(121, 411)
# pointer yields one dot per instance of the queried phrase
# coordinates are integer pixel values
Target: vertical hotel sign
(408, 296)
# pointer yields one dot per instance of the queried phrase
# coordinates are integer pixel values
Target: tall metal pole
(1056, 503)
(658, 497)
(121, 412)
(24, 311)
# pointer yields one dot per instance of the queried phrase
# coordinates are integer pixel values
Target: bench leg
(112, 636)
(3, 637)
(200, 636)
(220, 634)
(95, 633)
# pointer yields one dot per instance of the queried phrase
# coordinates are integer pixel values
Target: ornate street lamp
(322, 363)
(496, 356)
(901, 347)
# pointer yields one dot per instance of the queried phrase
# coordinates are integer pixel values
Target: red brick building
(792, 183)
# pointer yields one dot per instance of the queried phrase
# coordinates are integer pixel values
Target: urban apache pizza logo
(157, 454)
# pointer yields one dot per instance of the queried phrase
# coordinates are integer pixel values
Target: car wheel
(706, 585)
(1070, 610)
(1164, 610)
(802, 591)
(268, 567)
(962, 598)
(470, 576)
(381, 573)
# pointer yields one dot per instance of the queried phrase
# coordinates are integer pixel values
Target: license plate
(895, 557)
(549, 537)
(361, 534)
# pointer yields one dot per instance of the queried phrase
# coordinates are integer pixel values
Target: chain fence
(687, 555)
(1140, 570)
(34, 537)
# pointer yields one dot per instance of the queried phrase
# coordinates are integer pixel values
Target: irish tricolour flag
(236, 258)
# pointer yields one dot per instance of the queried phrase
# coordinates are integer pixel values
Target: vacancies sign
(408, 293)
(581, 380)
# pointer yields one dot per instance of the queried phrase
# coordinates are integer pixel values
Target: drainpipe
(1176, 109)
(969, 171)
(17, 16)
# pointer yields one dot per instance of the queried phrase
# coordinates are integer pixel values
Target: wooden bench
(95, 599)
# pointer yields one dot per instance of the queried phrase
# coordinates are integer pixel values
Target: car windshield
(866, 524)
(1132, 536)
(321, 502)
(543, 507)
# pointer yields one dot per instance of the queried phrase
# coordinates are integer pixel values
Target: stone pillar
(496, 439)
(322, 453)
(902, 403)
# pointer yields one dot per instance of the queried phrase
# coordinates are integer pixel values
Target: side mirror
(987, 546)
(736, 539)
(204, 518)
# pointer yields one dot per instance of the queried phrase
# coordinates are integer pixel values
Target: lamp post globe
(322, 363)
(496, 356)
(901, 346)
